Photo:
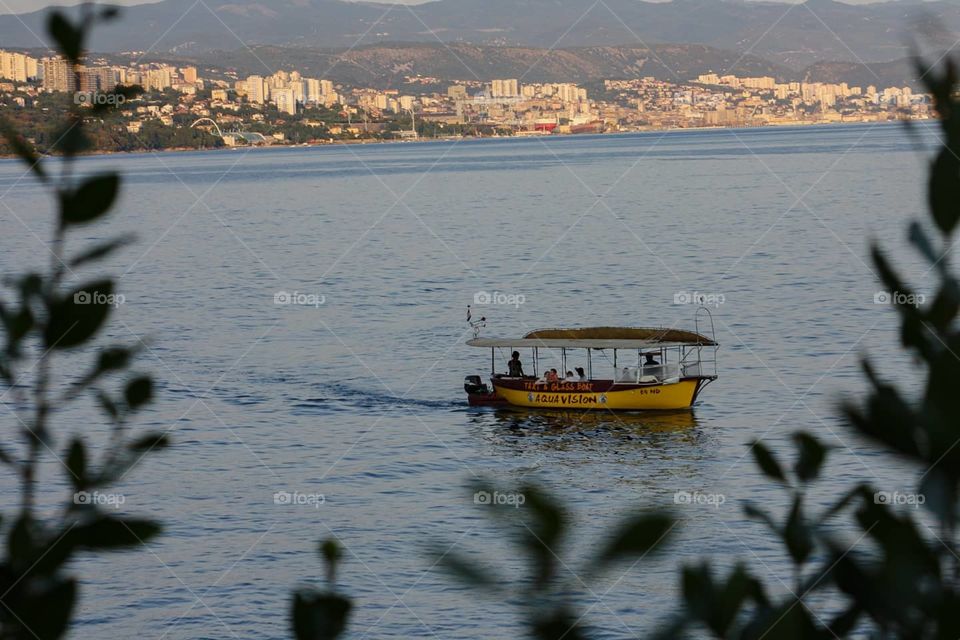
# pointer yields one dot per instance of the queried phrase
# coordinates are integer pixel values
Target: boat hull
(602, 396)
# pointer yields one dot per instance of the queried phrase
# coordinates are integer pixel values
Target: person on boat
(552, 376)
(650, 361)
(582, 374)
(515, 367)
(569, 377)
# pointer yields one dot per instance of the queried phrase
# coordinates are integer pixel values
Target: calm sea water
(360, 398)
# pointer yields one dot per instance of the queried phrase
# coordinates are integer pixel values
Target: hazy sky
(23, 6)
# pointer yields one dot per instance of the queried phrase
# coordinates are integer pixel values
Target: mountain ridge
(792, 35)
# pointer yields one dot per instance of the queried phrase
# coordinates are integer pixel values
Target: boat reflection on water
(554, 427)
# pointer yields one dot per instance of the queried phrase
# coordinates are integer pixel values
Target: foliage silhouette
(44, 321)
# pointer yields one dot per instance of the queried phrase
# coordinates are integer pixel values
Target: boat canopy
(599, 338)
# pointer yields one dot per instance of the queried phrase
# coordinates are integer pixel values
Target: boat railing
(653, 373)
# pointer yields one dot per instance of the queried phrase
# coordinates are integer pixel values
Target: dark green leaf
(90, 201)
(78, 316)
(765, 460)
(138, 392)
(812, 455)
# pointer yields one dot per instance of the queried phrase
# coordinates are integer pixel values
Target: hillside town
(288, 108)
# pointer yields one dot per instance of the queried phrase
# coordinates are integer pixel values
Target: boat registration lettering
(558, 398)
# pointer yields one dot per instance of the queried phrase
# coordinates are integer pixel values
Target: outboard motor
(475, 385)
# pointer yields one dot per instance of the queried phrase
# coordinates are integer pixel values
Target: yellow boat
(625, 369)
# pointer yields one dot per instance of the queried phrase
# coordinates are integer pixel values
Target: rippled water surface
(360, 398)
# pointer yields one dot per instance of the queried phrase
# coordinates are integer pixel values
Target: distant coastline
(370, 141)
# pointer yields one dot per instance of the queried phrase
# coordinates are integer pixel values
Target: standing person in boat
(515, 367)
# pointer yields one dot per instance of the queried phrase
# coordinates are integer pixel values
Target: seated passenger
(650, 361)
(515, 367)
(582, 375)
(569, 377)
(552, 376)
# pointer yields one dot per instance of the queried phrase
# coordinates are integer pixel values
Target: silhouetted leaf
(70, 139)
(113, 533)
(943, 311)
(46, 611)
(77, 316)
(541, 536)
(21, 548)
(796, 534)
(23, 149)
(752, 511)
(765, 460)
(100, 251)
(919, 239)
(844, 624)
(319, 616)
(812, 455)
(465, 570)
(108, 405)
(69, 38)
(77, 463)
(944, 190)
(558, 624)
(635, 537)
(113, 359)
(113, 100)
(89, 201)
(150, 441)
(138, 392)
